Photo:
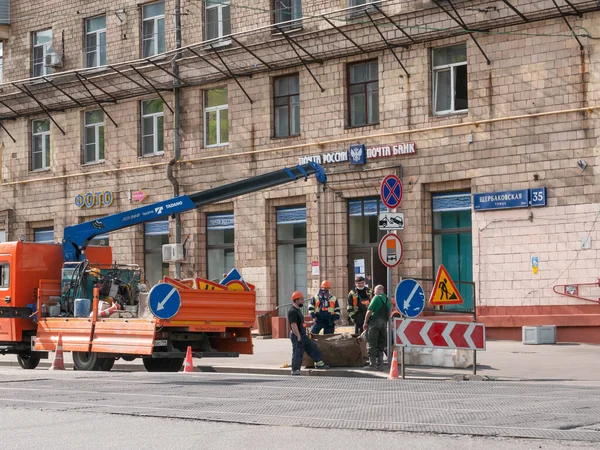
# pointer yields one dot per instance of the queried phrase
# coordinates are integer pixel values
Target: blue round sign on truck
(410, 298)
(164, 301)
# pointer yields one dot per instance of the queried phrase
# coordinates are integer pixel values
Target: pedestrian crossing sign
(444, 290)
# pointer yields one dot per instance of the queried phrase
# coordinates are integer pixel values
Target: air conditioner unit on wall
(172, 252)
(53, 60)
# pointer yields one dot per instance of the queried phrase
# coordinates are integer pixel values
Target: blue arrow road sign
(410, 298)
(164, 300)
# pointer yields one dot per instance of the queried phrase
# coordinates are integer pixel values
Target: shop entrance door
(365, 261)
(452, 242)
(364, 237)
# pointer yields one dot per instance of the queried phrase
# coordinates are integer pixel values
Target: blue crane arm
(77, 237)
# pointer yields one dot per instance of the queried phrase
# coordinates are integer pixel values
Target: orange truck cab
(24, 266)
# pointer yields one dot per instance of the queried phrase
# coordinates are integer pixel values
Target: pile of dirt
(339, 350)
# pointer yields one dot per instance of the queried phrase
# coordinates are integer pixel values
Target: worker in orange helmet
(300, 341)
(325, 309)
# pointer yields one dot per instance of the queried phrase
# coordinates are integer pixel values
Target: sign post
(390, 247)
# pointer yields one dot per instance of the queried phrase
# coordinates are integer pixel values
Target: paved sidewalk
(503, 360)
(506, 360)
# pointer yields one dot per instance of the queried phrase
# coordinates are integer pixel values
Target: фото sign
(91, 199)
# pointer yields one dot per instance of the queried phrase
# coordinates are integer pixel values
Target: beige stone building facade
(506, 109)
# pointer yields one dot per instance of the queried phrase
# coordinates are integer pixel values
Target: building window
(287, 11)
(287, 105)
(220, 256)
(218, 20)
(216, 117)
(3, 236)
(95, 42)
(1, 62)
(40, 144)
(363, 93)
(452, 242)
(352, 3)
(156, 234)
(152, 127)
(101, 240)
(363, 225)
(93, 136)
(153, 29)
(42, 45)
(4, 275)
(450, 79)
(43, 235)
(291, 253)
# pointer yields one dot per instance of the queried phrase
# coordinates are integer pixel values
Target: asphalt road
(125, 409)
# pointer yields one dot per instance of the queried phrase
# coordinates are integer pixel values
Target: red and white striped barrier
(438, 334)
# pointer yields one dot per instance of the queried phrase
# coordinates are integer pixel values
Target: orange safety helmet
(325, 284)
(297, 295)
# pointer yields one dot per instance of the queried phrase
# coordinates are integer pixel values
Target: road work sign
(390, 250)
(444, 291)
(410, 298)
(439, 334)
(164, 301)
(391, 221)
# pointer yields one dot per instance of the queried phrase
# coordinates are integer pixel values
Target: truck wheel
(28, 361)
(128, 358)
(108, 364)
(151, 364)
(162, 364)
(91, 361)
(175, 365)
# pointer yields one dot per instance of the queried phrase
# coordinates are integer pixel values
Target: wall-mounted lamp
(581, 164)
(120, 13)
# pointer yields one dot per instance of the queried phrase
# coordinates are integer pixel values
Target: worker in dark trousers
(359, 299)
(325, 309)
(300, 341)
(376, 324)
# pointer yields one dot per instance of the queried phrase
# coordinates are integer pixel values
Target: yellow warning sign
(207, 285)
(445, 291)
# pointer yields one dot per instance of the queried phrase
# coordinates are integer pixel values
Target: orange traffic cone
(394, 367)
(59, 362)
(188, 366)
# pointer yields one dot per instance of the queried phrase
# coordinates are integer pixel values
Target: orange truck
(102, 310)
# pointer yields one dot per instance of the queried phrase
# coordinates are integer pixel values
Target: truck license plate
(160, 343)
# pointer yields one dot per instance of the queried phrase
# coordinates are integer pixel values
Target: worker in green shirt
(376, 324)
